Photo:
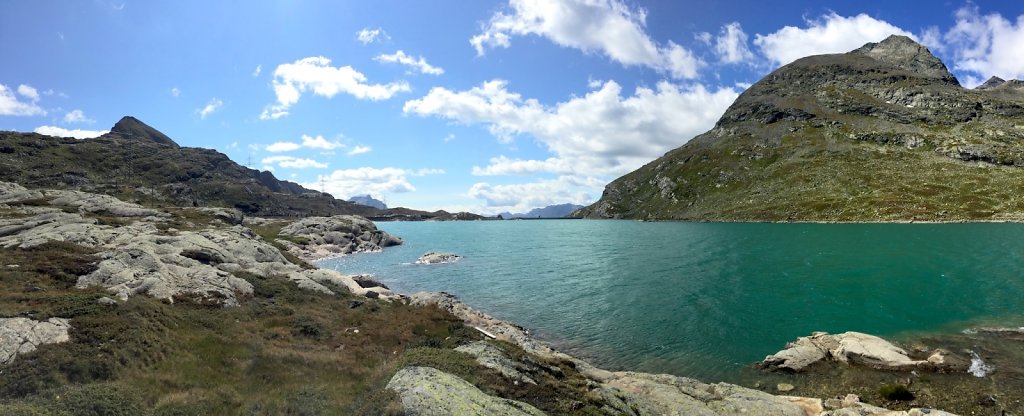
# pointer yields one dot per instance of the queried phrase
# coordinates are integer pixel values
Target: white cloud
(28, 92)
(282, 147)
(601, 133)
(293, 162)
(11, 106)
(345, 183)
(986, 45)
(609, 27)
(731, 45)
(368, 36)
(256, 72)
(526, 196)
(319, 142)
(76, 133)
(419, 64)
(316, 75)
(77, 116)
(830, 33)
(358, 150)
(210, 108)
(175, 92)
(449, 137)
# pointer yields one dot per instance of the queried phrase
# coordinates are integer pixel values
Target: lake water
(708, 299)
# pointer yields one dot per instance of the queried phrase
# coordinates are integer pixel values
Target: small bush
(895, 392)
(309, 328)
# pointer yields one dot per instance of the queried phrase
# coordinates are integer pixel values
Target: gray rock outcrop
(425, 391)
(858, 348)
(140, 257)
(494, 358)
(323, 237)
(24, 335)
(438, 258)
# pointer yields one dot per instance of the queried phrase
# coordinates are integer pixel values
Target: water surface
(706, 299)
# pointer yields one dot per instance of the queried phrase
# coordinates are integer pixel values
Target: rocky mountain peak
(905, 53)
(131, 128)
(991, 83)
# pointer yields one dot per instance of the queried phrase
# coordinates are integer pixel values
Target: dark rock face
(131, 128)
(882, 133)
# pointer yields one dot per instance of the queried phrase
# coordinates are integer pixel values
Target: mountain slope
(136, 162)
(550, 211)
(882, 133)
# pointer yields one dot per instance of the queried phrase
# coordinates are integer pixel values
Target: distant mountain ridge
(369, 201)
(550, 211)
(136, 162)
(882, 133)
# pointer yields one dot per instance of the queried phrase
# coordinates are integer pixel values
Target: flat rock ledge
(860, 349)
(318, 238)
(24, 335)
(627, 393)
(425, 391)
(438, 258)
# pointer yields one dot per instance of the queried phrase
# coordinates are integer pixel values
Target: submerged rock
(425, 391)
(438, 258)
(857, 348)
(24, 335)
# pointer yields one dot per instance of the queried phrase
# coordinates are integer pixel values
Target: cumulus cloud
(345, 183)
(316, 75)
(367, 36)
(282, 147)
(10, 105)
(608, 27)
(986, 45)
(526, 196)
(28, 92)
(175, 92)
(210, 108)
(293, 162)
(76, 133)
(601, 133)
(830, 33)
(731, 45)
(319, 142)
(420, 64)
(77, 116)
(256, 72)
(358, 150)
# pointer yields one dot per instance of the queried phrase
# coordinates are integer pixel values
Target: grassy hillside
(863, 136)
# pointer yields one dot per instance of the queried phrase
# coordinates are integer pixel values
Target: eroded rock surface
(858, 348)
(316, 238)
(24, 335)
(426, 391)
(142, 257)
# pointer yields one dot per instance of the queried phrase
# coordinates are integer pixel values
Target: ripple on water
(707, 299)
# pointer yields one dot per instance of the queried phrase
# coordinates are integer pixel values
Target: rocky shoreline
(209, 257)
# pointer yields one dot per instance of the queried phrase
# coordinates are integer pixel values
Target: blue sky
(482, 106)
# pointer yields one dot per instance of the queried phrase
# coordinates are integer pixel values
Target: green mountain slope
(882, 133)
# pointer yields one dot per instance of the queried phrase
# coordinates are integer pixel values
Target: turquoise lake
(708, 299)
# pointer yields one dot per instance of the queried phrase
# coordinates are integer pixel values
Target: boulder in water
(438, 258)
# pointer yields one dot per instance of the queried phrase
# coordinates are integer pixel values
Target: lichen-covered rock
(438, 258)
(323, 237)
(494, 358)
(425, 391)
(139, 258)
(857, 348)
(24, 335)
